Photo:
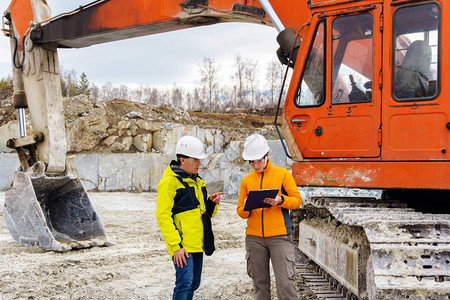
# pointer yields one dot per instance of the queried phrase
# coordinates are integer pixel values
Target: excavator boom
(111, 20)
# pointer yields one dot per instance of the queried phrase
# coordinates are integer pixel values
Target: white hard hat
(190, 146)
(255, 147)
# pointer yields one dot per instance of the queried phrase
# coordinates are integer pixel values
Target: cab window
(352, 59)
(416, 52)
(311, 90)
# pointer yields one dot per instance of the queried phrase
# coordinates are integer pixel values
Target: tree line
(210, 93)
(242, 91)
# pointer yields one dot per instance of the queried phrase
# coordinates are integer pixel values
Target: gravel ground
(136, 267)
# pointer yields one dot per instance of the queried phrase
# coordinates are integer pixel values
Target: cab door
(336, 108)
(417, 107)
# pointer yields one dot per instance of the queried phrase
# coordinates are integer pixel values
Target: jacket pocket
(191, 230)
(290, 264)
(249, 267)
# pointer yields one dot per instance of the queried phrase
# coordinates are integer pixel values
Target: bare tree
(68, 82)
(122, 92)
(197, 102)
(209, 79)
(106, 91)
(239, 79)
(226, 98)
(177, 97)
(151, 95)
(95, 92)
(136, 94)
(188, 101)
(272, 77)
(163, 99)
(251, 73)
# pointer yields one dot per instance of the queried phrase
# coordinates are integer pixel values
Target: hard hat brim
(200, 156)
(247, 156)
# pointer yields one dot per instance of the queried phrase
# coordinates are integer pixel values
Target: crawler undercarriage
(377, 249)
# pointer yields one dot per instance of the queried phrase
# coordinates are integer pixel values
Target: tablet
(255, 199)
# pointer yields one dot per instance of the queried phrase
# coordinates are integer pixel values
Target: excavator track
(378, 249)
(319, 282)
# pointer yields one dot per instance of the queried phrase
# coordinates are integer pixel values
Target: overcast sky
(161, 59)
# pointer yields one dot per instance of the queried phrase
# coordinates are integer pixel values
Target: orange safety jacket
(275, 220)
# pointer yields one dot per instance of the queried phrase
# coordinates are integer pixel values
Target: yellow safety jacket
(275, 220)
(178, 215)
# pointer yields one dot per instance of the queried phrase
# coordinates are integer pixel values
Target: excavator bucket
(53, 212)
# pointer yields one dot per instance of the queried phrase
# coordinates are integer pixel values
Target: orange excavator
(367, 107)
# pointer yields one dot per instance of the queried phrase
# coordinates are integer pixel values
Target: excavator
(367, 107)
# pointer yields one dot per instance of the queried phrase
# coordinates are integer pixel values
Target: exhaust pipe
(289, 46)
(286, 37)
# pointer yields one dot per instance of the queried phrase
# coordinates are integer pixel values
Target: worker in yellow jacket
(182, 199)
(269, 229)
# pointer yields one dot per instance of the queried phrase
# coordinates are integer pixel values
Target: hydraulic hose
(15, 51)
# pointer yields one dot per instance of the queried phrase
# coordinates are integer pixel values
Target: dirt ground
(136, 267)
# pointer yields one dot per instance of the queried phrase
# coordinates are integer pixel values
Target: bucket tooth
(53, 212)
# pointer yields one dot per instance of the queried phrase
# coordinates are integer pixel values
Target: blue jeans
(188, 277)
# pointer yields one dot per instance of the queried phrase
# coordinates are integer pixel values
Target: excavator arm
(111, 20)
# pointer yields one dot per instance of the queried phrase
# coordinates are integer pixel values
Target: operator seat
(412, 77)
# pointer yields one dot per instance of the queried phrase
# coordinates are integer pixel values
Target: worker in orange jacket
(269, 229)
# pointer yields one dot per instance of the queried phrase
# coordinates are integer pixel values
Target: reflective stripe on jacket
(178, 215)
(275, 220)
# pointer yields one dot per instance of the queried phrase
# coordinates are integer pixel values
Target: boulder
(148, 126)
(122, 145)
(122, 126)
(143, 142)
(110, 140)
(134, 130)
(134, 115)
(88, 131)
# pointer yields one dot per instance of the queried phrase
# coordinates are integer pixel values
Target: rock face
(125, 146)
(142, 171)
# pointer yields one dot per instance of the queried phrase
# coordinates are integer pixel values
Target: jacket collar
(267, 168)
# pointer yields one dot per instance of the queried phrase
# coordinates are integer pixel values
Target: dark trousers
(188, 277)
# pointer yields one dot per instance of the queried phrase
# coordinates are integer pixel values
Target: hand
(179, 257)
(216, 197)
(273, 201)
